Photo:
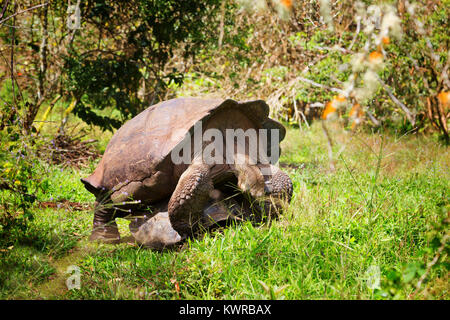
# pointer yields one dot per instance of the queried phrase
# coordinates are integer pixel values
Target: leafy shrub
(19, 183)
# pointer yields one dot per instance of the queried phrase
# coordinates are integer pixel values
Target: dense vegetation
(362, 86)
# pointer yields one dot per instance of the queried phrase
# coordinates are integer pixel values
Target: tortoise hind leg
(104, 226)
(189, 199)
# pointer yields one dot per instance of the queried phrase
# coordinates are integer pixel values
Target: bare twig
(5, 6)
(315, 84)
(13, 40)
(335, 48)
(373, 119)
(405, 109)
(23, 11)
(221, 27)
(304, 118)
(43, 54)
(358, 28)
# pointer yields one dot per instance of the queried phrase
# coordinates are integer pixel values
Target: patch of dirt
(69, 150)
(65, 204)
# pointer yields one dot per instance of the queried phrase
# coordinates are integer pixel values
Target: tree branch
(23, 11)
(405, 109)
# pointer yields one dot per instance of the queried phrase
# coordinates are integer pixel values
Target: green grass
(339, 224)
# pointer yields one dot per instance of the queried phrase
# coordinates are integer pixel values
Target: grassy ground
(375, 212)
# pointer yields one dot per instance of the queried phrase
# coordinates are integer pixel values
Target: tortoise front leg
(189, 198)
(278, 189)
(104, 226)
(277, 183)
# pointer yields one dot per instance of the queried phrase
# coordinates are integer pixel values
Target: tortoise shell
(141, 148)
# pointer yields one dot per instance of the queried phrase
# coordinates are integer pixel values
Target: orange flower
(339, 98)
(353, 112)
(375, 57)
(19, 73)
(329, 109)
(360, 113)
(356, 115)
(286, 3)
(385, 40)
(332, 106)
(444, 98)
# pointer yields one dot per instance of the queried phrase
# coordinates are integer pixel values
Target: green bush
(19, 182)
(127, 69)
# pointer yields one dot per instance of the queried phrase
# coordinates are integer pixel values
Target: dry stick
(304, 118)
(335, 48)
(222, 18)
(275, 96)
(43, 54)
(358, 28)
(5, 6)
(373, 119)
(19, 12)
(296, 114)
(408, 112)
(13, 39)
(430, 114)
(299, 112)
(318, 84)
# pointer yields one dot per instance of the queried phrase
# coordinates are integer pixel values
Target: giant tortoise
(138, 163)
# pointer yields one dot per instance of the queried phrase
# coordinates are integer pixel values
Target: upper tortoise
(138, 163)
